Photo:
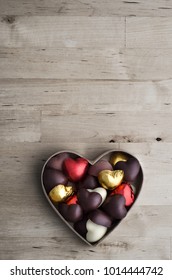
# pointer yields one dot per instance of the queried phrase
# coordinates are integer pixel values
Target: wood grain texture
(20, 125)
(126, 95)
(126, 126)
(86, 8)
(53, 31)
(86, 76)
(77, 63)
(121, 248)
(157, 32)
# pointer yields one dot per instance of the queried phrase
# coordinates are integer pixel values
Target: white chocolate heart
(101, 191)
(95, 232)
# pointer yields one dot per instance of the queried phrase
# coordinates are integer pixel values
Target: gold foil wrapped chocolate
(110, 179)
(118, 156)
(61, 193)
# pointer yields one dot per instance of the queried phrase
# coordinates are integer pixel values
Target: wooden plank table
(87, 76)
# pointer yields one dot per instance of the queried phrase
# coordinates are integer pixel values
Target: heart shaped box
(106, 155)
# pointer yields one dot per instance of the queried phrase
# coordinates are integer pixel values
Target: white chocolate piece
(101, 191)
(95, 232)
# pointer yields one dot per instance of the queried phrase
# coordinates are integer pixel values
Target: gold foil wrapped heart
(61, 193)
(110, 179)
(118, 156)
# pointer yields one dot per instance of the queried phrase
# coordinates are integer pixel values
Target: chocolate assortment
(92, 198)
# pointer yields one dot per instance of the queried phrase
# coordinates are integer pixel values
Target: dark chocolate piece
(52, 178)
(80, 227)
(130, 167)
(72, 213)
(100, 218)
(99, 166)
(57, 161)
(90, 182)
(114, 206)
(88, 200)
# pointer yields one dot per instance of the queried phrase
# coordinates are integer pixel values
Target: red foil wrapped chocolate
(125, 189)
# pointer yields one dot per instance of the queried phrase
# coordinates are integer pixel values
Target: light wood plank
(76, 63)
(157, 32)
(120, 248)
(86, 7)
(70, 96)
(20, 125)
(63, 63)
(52, 31)
(121, 127)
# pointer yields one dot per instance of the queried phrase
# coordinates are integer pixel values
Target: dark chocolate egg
(95, 169)
(72, 213)
(90, 182)
(114, 206)
(52, 178)
(88, 200)
(56, 162)
(131, 168)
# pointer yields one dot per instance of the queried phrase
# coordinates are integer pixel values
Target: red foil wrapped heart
(75, 168)
(125, 189)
